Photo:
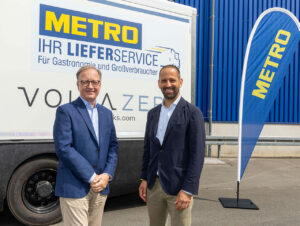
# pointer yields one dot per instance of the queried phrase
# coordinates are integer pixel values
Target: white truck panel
(41, 50)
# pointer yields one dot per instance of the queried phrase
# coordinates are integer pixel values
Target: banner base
(241, 204)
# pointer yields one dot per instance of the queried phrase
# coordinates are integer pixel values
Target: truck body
(42, 45)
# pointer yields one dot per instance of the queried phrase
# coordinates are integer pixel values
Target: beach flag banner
(270, 48)
(271, 45)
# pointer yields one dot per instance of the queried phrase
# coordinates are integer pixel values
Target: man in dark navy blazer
(87, 149)
(173, 154)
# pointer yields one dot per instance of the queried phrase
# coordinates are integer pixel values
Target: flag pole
(237, 202)
(237, 193)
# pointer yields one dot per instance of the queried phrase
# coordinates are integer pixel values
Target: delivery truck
(42, 45)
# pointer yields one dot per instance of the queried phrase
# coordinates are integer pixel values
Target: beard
(170, 95)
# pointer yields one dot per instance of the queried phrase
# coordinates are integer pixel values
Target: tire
(30, 193)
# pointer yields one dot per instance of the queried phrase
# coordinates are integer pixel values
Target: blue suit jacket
(180, 158)
(78, 151)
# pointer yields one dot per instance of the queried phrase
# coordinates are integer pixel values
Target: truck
(42, 45)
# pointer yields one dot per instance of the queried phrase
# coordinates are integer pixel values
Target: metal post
(237, 193)
(211, 71)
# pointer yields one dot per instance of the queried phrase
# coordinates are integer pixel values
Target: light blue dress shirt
(164, 117)
(93, 113)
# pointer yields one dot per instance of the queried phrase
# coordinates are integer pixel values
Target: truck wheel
(30, 193)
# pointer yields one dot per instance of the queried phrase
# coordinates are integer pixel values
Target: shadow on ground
(123, 202)
(112, 204)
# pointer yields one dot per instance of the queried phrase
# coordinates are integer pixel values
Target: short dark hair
(170, 66)
(83, 68)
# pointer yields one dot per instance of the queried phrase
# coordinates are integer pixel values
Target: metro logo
(70, 24)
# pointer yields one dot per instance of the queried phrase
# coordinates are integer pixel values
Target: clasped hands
(100, 182)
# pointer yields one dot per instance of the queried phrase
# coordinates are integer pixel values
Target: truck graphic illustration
(167, 56)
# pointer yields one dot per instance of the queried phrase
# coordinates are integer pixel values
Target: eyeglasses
(87, 82)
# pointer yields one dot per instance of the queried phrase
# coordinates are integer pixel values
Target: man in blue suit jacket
(173, 154)
(87, 149)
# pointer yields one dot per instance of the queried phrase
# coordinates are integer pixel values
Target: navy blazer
(78, 151)
(180, 158)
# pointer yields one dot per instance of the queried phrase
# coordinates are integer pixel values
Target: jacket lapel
(85, 115)
(155, 122)
(172, 121)
(101, 122)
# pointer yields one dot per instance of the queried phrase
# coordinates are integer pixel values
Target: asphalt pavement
(273, 184)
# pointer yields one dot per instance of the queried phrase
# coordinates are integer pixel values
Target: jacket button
(97, 150)
(94, 166)
(161, 150)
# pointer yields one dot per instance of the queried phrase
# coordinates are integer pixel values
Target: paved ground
(272, 184)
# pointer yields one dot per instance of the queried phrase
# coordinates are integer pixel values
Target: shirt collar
(88, 104)
(174, 103)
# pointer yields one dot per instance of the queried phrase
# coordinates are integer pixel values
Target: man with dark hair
(173, 154)
(87, 149)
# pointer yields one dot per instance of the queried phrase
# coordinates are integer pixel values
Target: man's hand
(182, 200)
(100, 182)
(143, 190)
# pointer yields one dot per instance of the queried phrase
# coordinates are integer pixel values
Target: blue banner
(271, 45)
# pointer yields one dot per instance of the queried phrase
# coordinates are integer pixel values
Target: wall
(234, 20)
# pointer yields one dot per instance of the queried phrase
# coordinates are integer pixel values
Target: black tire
(30, 193)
